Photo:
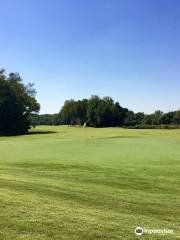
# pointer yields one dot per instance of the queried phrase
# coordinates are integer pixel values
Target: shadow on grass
(28, 133)
(40, 132)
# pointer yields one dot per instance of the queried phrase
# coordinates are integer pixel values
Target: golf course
(75, 183)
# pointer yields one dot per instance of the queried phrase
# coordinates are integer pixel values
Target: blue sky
(126, 49)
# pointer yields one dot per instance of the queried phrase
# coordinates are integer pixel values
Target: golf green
(85, 184)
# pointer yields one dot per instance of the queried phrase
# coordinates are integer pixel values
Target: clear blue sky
(126, 49)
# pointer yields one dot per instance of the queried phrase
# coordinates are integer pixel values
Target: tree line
(19, 111)
(104, 112)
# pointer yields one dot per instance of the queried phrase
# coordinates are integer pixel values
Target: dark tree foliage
(19, 108)
(176, 117)
(168, 118)
(45, 119)
(104, 112)
(95, 112)
(92, 110)
(119, 114)
(17, 102)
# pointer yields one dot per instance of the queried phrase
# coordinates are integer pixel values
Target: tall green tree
(74, 112)
(105, 112)
(176, 117)
(68, 112)
(17, 102)
(157, 117)
(93, 111)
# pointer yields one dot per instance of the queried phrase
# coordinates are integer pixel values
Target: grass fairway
(88, 184)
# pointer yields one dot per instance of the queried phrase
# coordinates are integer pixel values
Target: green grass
(89, 184)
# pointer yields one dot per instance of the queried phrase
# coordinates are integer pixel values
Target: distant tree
(81, 111)
(139, 118)
(119, 114)
(176, 117)
(45, 119)
(104, 112)
(74, 112)
(68, 112)
(167, 118)
(157, 117)
(17, 102)
(92, 111)
(148, 119)
(130, 119)
(100, 112)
